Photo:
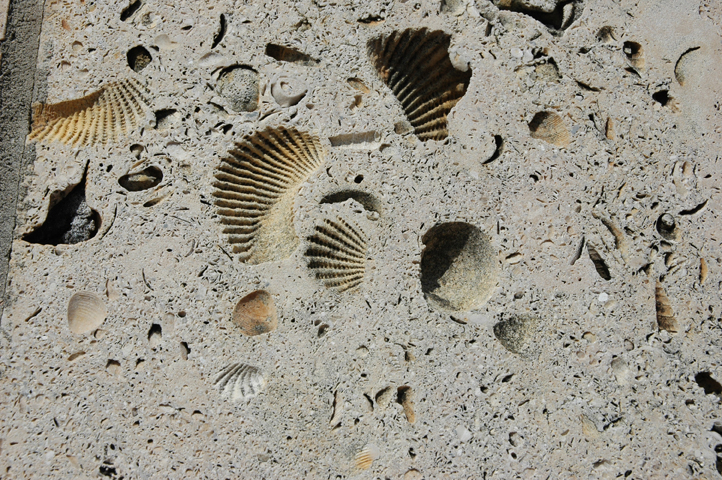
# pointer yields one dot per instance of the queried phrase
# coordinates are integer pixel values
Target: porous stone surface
(609, 363)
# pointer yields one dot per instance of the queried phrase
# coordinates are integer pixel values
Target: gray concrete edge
(18, 74)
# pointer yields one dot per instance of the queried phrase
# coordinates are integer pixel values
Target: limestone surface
(490, 232)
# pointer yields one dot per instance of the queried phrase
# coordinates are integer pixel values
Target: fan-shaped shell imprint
(240, 382)
(255, 189)
(415, 65)
(101, 117)
(86, 312)
(338, 254)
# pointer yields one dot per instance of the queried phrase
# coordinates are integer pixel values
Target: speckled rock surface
(581, 144)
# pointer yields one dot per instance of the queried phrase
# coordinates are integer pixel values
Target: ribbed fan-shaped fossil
(255, 189)
(338, 254)
(240, 382)
(415, 65)
(366, 456)
(101, 117)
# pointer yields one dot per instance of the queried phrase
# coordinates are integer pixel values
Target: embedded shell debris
(618, 366)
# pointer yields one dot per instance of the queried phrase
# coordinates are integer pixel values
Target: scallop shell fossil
(415, 65)
(366, 456)
(255, 189)
(256, 313)
(86, 312)
(338, 254)
(240, 382)
(103, 116)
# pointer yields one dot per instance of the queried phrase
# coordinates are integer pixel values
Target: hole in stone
(358, 179)
(634, 53)
(130, 10)
(70, 220)
(147, 178)
(459, 270)
(165, 118)
(662, 97)
(288, 54)
(709, 384)
(667, 227)
(222, 28)
(367, 200)
(405, 398)
(155, 335)
(138, 58)
(606, 34)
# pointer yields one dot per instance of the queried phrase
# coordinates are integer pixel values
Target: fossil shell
(549, 126)
(288, 91)
(459, 268)
(101, 117)
(239, 86)
(256, 313)
(415, 65)
(338, 254)
(366, 456)
(240, 382)
(255, 189)
(86, 312)
(665, 315)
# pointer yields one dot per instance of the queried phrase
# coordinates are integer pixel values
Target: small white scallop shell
(86, 312)
(240, 382)
(366, 457)
(288, 91)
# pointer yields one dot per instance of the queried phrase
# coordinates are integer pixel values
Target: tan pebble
(256, 313)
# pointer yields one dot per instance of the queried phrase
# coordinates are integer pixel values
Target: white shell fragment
(240, 382)
(86, 312)
(288, 91)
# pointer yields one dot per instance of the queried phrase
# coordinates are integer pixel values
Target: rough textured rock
(600, 228)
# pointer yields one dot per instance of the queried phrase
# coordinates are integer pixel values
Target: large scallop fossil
(255, 189)
(86, 312)
(103, 116)
(337, 254)
(256, 313)
(239, 382)
(415, 65)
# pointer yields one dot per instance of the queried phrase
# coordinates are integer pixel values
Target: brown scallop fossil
(665, 315)
(255, 189)
(256, 313)
(104, 116)
(337, 254)
(239, 382)
(86, 312)
(415, 65)
(549, 126)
